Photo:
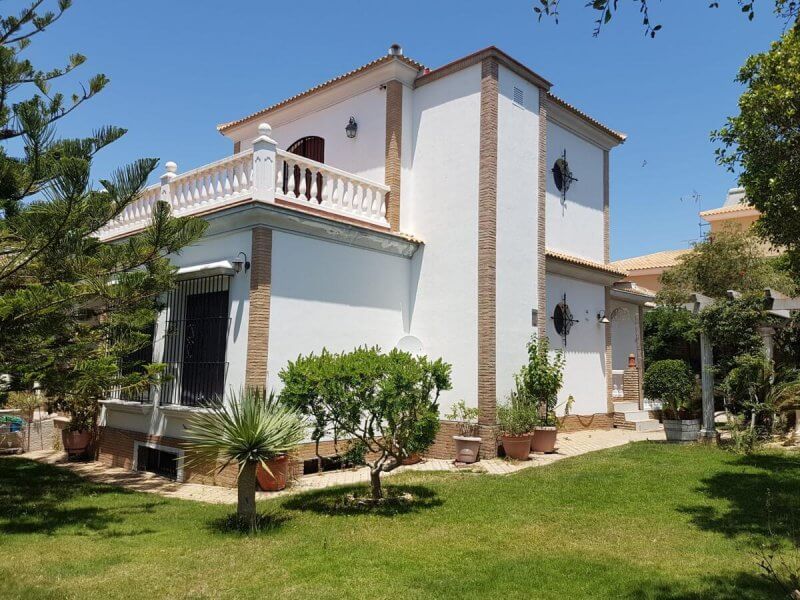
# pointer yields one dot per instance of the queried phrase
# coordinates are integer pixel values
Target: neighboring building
(453, 212)
(646, 270)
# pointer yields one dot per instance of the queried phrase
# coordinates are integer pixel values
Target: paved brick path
(569, 444)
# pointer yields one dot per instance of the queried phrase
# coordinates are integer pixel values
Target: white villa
(453, 212)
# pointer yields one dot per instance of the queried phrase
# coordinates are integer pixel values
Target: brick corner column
(487, 245)
(541, 222)
(260, 295)
(394, 139)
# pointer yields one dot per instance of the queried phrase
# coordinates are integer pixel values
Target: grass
(642, 521)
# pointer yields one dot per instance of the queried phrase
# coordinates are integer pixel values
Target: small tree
(538, 382)
(250, 429)
(671, 382)
(387, 402)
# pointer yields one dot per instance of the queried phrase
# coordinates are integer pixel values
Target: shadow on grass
(764, 504)
(741, 586)
(34, 499)
(354, 500)
(232, 524)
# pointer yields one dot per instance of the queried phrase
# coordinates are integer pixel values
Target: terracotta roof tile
(733, 208)
(583, 262)
(383, 59)
(657, 260)
(616, 134)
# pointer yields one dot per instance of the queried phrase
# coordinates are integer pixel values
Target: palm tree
(250, 429)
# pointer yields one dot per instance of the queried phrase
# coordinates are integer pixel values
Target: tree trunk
(375, 481)
(246, 507)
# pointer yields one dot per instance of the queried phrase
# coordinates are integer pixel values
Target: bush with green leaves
(515, 418)
(386, 401)
(537, 383)
(466, 417)
(671, 381)
(248, 429)
(670, 332)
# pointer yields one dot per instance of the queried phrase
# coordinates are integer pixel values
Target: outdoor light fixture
(352, 128)
(238, 263)
(602, 318)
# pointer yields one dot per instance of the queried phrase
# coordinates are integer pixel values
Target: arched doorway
(313, 148)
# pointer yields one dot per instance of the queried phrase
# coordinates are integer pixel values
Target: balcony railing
(264, 174)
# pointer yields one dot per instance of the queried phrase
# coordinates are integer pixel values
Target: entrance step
(621, 407)
(648, 425)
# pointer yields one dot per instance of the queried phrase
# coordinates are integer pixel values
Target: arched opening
(313, 148)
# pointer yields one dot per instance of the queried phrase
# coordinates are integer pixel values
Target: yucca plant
(249, 429)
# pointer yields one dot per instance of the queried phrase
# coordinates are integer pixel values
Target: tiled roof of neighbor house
(657, 260)
(583, 262)
(722, 210)
(616, 134)
(325, 84)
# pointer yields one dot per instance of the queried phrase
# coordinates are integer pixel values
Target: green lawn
(643, 521)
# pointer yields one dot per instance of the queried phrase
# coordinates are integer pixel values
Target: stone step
(637, 415)
(648, 425)
(625, 406)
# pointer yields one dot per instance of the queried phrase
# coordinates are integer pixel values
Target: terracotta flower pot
(413, 459)
(517, 447)
(467, 448)
(273, 480)
(75, 442)
(544, 439)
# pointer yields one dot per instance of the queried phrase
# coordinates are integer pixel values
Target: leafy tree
(763, 141)
(606, 9)
(670, 381)
(250, 429)
(387, 402)
(670, 332)
(728, 260)
(732, 327)
(71, 307)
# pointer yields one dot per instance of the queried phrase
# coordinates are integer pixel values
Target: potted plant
(515, 420)
(76, 437)
(671, 382)
(537, 383)
(468, 442)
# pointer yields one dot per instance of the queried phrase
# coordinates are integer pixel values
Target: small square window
(518, 96)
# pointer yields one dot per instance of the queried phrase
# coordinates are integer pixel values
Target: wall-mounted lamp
(241, 261)
(602, 318)
(351, 128)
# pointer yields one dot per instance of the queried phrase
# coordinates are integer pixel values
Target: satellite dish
(410, 344)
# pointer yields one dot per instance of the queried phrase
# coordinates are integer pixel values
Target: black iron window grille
(195, 341)
(133, 363)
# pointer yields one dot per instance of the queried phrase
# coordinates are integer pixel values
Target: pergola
(777, 304)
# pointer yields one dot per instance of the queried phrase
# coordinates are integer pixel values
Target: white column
(166, 180)
(707, 379)
(768, 342)
(264, 148)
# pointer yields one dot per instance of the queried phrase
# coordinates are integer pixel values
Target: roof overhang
(627, 291)
(358, 81)
(581, 124)
(575, 267)
(729, 212)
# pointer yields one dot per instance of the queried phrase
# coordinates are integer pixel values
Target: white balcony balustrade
(263, 174)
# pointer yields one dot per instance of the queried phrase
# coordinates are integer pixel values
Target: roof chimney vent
(395, 50)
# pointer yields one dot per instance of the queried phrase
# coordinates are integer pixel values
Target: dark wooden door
(311, 147)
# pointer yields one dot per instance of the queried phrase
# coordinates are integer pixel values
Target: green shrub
(538, 382)
(516, 418)
(671, 382)
(388, 402)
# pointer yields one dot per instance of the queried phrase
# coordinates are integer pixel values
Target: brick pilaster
(260, 295)
(487, 245)
(541, 225)
(394, 138)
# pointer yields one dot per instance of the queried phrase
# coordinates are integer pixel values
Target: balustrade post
(166, 181)
(264, 148)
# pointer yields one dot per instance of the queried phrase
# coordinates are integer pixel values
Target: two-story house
(453, 211)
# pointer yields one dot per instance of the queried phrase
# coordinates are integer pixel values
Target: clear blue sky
(178, 68)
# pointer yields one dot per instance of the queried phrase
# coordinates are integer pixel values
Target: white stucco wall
(442, 210)
(575, 227)
(584, 371)
(517, 214)
(623, 333)
(334, 296)
(208, 250)
(363, 155)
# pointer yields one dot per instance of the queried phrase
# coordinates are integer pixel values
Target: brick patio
(569, 444)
